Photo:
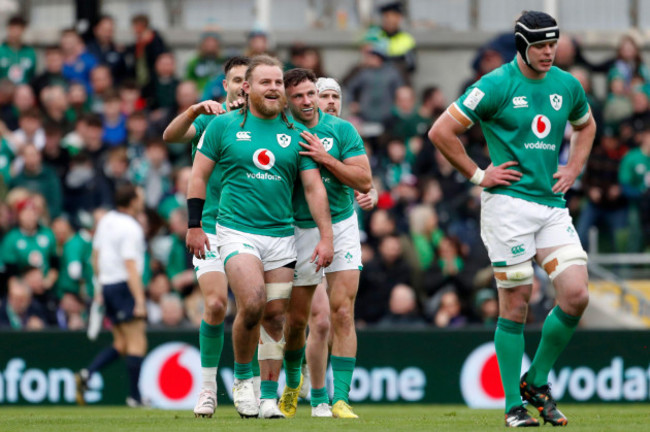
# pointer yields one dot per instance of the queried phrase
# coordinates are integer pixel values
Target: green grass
(374, 418)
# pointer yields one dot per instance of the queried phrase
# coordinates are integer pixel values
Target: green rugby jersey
(260, 164)
(342, 141)
(76, 268)
(24, 250)
(634, 171)
(213, 192)
(19, 66)
(523, 120)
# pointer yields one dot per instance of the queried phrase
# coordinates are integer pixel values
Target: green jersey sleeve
(201, 124)
(353, 144)
(210, 142)
(8, 253)
(480, 101)
(580, 111)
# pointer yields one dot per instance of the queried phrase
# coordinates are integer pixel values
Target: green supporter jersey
(634, 171)
(75, 266)
(523, 120)
(260, 164)
(19, 66)
(6, 158)
(213, 193)
(24, 250)
(342, 141)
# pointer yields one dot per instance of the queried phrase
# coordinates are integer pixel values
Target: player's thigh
(320, 303)
(300, 305)
(306, 241)
(508, 227)
(556, 230)
(243, 265)
(347, 246)
(278, 253)
(343, 286)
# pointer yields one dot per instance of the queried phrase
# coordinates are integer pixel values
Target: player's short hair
(235, 61)
(124, 194)
(17, 20)
(140, 19)
(296, 76)
(261, 60)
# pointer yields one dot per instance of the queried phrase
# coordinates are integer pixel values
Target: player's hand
(323, 254)
(500, 175)
(565, 178)
(197, 242)
(366, 201)
(314, 148)
(208, 107)
(236, 104)
(140, 309)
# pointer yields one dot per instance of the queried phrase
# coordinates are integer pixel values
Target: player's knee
(514, 275)
(343, 315)
(320, 324)
(297, 321)
(563, 258)
(274, 322)
(216, 305)
(251, 312)
(576, 301)
(270, 348)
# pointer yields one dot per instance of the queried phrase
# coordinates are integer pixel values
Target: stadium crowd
(91, 117)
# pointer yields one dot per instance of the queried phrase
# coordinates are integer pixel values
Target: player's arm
(196, 240)
(444, 135)
(367, 201)
(319, 207)
(582, 140)
(134, 281)
(353, 171)
(181, 129)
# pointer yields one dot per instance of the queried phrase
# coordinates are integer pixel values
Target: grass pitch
(373, 418)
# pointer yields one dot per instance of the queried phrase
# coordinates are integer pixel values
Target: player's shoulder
(225, 120)
(558, 74)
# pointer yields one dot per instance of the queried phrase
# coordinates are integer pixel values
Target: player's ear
(246, 87)
(224, 83)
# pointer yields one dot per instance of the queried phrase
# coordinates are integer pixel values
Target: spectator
(116, 168)
(43, 296)
(77, 62)
(634, 176)
(53, 155)
(396, 168)
(179, 263)
(78, 101)
(426, 235)
(23, 100)
(631, 126)
(30, 245)
(257, 43)
(69, 312)
(76, 273)
(179, 198)
(161, 90)
(53, 73)
(39, 178)
(628, 69)
(447, 268)
(55, 107)
(131, 96)
(101, 83)
(371, 86)
(7, 156)
(378, 279)
(306, 57)
(85, 187)
(605, 206)
(103, 47)
(173, 314)
(403, 309)
(487, 307)
(141, 57)
(542, 300)
(449, 313)
(153, 172)
(401, 45)
(7, 111)
(18, 311)
(207, 63)
(30, 130)
(136, 135)
(113, 121)
(487, 59)
(17, 60)
(158, 288)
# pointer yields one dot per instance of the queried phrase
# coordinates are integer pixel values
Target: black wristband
(194, 212)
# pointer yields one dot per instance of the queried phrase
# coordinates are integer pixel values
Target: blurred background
(87, 88)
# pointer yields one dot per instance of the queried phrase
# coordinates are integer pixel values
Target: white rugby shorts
(212, 261)
(274, 252)
(513, 229)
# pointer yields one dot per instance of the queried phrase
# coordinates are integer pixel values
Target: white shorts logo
(327, 143)
(541, 126)
(473, 98)
(264, 159)
(480, 378)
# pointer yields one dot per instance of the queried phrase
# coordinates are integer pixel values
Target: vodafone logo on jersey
(541, 126)
(480, 379)
(264, 159)
(171, 376)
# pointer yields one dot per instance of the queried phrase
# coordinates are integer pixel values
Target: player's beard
(260, 103)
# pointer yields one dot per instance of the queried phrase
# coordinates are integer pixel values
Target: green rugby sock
(292, 366)
(269, 390)
(342, 368)
(509, 345)
(255, 364)
(319, 396)
(211, 344)
(243, 371)
(556, 333)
